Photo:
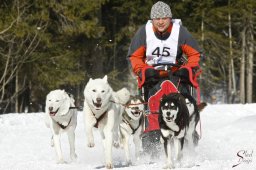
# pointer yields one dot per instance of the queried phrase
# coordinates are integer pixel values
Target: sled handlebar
(165, 66)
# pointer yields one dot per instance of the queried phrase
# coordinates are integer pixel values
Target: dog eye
(173, 108)
(103, 91)
(94, 90)
(135, 108)
(165, 107)
(57, 100)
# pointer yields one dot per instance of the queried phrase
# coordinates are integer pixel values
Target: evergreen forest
(61, 44)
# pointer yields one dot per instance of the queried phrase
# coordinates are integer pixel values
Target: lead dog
(103, 109)
(173, 122)
(61, 116)
(132, 125)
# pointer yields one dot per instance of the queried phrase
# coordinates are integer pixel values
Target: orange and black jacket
(186, 45)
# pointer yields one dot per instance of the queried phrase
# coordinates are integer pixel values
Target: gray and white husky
(132, 125)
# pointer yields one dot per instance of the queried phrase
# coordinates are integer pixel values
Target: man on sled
(157, 53)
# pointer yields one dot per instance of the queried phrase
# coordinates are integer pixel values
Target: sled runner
(152, 93)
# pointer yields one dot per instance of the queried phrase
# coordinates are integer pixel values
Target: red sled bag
(165, 87)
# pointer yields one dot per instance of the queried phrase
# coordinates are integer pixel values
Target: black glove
(183, 74)
(151, 77)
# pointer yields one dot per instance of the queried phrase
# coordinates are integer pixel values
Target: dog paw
(129, 163)
(73, 157)
(177, 165)
(139, 154)
(90, 145)
(109, 166)
(138, 157)
(61, 161)
(168, 166)
(116, 144)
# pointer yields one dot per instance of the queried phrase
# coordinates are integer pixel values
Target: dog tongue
(52, 113)
(98, 105)
(136, 113)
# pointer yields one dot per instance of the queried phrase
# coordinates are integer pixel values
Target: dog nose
(168, 113)
(98, 100)
(50, 109)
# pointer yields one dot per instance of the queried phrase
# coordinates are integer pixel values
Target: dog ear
(201, 106)
(66, 103)
(105, 78)
(64, 92)
(163, 97)
(90, 80)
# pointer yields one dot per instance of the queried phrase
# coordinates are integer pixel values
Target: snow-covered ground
(228, 138)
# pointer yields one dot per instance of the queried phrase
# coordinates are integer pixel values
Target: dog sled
(152, 92)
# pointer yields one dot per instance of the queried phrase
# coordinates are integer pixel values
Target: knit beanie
(160, 10)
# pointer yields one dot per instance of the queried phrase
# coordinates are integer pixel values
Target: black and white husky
(132, 125)
(173, 122)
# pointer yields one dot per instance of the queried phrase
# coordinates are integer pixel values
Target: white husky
(103, 109)
(61, 116)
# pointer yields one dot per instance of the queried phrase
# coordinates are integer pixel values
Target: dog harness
(61, 125)
(99, 119)
(133, 129)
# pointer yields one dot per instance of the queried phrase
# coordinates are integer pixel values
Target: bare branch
(9, 27)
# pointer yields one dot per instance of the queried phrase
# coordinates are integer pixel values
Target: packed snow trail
(228, 139)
